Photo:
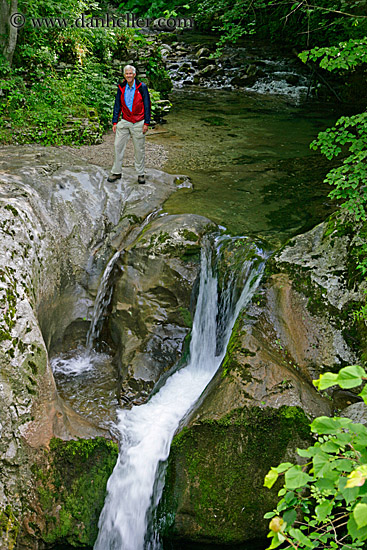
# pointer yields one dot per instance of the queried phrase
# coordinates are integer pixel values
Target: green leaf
(304, 453)
(363, 394)
(349, 494)
(270, 478)
(300, 537)
(326, 425)
(330, 446)
(347, 377)
(326, 484)
(277, 540)
(360, 514)
(325, 381)
(323, 510)
(290, 516)
(283, 467)
(321, 463)
(350, 377)
(295, 478)
(354, 531)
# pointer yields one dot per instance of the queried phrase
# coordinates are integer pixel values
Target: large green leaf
(295, 478)
(326, 425)
(323, 509)
(354, 531)
(360, 514)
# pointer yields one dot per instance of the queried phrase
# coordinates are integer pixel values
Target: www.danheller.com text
(130, 20)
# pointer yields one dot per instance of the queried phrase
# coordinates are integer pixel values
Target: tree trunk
(8, 32)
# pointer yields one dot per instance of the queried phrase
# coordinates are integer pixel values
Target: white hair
(129, 67)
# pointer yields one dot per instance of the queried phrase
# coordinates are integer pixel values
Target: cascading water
(102, 300)
(146, 431)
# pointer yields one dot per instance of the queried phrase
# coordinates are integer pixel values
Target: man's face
(129, 75)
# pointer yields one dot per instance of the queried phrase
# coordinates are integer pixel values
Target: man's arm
(116, 109)
(146, 101)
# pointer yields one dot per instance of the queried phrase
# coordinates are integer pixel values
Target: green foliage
(346, 55)
(324, 502)
(299, 23)
(158, 76)
(9, 527)
(348, 138)
(70, 109)
(157, 8)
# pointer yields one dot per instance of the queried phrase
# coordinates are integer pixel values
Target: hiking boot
(113, 177)
(141, 179)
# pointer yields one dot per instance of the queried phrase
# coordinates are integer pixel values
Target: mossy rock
(71, 487)
(9, 528)
(214, 483)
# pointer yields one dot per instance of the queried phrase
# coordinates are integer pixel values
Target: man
(133, 103)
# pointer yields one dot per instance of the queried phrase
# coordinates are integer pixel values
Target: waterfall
(102, 300)
(146, 431)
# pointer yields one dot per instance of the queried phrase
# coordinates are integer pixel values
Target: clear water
(87, 381)
(249, 160)
(146, 431)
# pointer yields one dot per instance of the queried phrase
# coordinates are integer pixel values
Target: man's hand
(145, 128)
(114, 128)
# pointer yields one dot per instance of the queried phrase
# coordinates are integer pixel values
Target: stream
(247, 154)
(248, 157)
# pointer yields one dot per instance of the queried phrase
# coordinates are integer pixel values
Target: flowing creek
(247, 154)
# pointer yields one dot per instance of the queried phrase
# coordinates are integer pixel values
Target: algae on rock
(70, 482)
(214, 483)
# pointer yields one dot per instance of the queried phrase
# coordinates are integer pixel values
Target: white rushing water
(147, 430)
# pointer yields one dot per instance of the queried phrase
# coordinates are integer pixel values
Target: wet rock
(202, 52)
(209, 70)
(356, 412)
(70, 485)
(243, 81)
(166, 47)
(185, 68)
(152, 307)
(292, 79)
(204, 62)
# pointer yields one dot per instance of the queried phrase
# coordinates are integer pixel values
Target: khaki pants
(124, 130)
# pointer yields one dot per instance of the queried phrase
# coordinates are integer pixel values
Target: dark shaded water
(249, 159)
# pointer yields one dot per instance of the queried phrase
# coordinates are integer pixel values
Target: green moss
(9, 528)
(11, 208)
(222, 499)
(189, 235)
(186, 316)
(71, 488)
(230, 362)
